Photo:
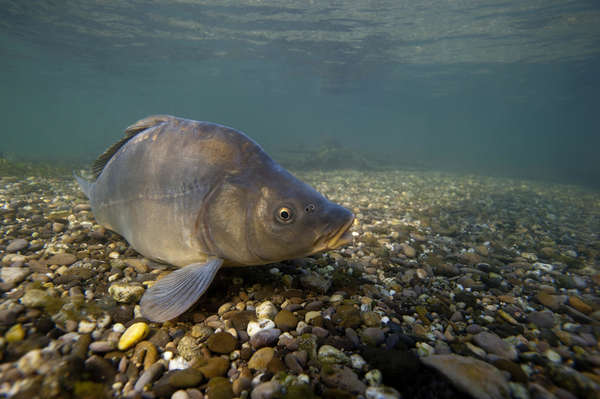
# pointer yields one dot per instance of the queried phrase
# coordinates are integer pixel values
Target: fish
(201, 196)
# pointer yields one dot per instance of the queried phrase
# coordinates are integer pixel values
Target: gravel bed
(454, 286)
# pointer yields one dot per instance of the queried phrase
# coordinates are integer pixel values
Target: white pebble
(266, 310)
(118, 327)
(357, 361)
(256, 326)
(168, 355)
(178, 363)
(86, 327)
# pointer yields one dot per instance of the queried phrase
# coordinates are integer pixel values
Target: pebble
(148, 376)
(221, 342)
(357, 361)
(181, 394)
(15, 334)
(492, 343)
(373, 377)
(343, 378)
(214, 367)
(330, 354)
(264, 338)
(65, 259)
(285, 320)
(373, 336)
(261, 358)
(266, 310)
(86, 327)
(219, 388)
(186, 378)
(126, 292)
(31, 362)
(580, 305)
(135, 333)
(35, 298)
(543, 319)
(315, 282)
(256, 326)
(102, 346)
(267, 390)
(14, 275)
(17, 244)
(480, 379)
(381, 393)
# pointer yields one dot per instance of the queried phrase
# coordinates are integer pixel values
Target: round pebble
(135, 333)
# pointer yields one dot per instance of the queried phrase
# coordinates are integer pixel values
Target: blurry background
(503, 88)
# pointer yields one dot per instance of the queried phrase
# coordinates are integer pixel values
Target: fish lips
(340, 237)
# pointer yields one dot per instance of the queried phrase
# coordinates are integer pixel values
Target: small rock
(135, 333)
(86, 327)
(373, 336)
(61, 259)
(312, 315)
(580, 305)
(31, 362)
(330, 354)
(241, 384)
(265, 338)
(185, 378)
(543, 319)
(261, 358)
(478, 378)
(35, 298)
(315, 281)
(374, 377)
(343, 378)
(219, 388)
(357, 361)
(17, 245)
(256, 326)
(214, 367)
(266, 310)
(181, 394)
(126, 292)
(285, 320)
(14, 275)
(408, 250)
(151, 374)
(371, 319)
(381, 393)
(551, 301)
(347, 316)
(267, 390)
(102, 346)
(492, 343)
(221, 342)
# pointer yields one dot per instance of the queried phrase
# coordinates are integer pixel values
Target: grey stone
(264, 338)
(478, 378)
(492, 343)
(14, 275)
(16, 245)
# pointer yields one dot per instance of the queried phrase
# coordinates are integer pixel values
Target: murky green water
(506, 88)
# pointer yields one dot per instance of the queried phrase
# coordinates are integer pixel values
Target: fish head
(279, 217)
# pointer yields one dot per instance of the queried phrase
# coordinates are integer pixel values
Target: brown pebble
(147, 351)
(580, 305)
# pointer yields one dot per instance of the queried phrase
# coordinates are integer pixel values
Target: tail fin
(85, 185)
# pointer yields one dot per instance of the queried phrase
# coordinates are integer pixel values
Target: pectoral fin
(175, 293)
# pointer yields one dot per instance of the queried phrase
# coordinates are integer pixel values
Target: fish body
(199, 195)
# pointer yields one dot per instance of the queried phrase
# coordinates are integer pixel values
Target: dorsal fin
(130, 132)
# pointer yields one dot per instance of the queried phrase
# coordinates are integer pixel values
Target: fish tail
(85, 185)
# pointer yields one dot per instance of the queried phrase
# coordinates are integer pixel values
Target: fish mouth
(340, 237)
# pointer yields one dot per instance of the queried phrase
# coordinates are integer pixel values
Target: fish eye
(309, 208)
(285, 214)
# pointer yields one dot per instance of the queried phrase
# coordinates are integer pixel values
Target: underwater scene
(300, 199)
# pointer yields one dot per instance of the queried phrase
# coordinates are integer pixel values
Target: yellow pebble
(15, 333)
(135, 333)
